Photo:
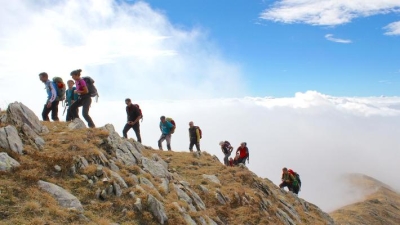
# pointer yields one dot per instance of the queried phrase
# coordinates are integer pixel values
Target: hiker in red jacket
(243, 153)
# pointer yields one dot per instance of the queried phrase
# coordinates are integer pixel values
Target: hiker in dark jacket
(52, 99)
(227, 150)
(287, 179)
(243, 153)
(84, 98)
(134, 116)
(194, 136)
(70, 98)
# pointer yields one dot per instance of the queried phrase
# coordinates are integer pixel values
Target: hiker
(287, 179)
(166, 128)
(227, 150)
(243, 153)
(194, 136)
(231, 162)
(296, 182)
(71, 97)
(84, 98)
(134, 116)
(52, 100)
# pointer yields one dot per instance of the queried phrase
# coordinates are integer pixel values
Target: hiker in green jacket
(287, 179)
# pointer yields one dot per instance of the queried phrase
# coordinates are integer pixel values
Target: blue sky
(279, 59)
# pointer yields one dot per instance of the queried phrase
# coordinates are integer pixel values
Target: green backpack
(60, 88)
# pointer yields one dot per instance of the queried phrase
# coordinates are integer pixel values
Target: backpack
(297, 176)
(140, 111)
(169, 119)
(201, 135)
(60, 88)
(90, 86)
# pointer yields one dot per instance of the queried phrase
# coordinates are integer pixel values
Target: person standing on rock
(70, 98)
(166, 127)
(227, 150)
(84, 98)
(52, 101)
(287, 179)
(194, 136)
(134, 116)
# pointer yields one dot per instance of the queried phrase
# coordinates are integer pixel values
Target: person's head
(43, 77)
(221, 143)
(191, 124)
(162, 118)
(70, 84)
(243, 144)
(76, 74)
(128, 101)
(284, 170)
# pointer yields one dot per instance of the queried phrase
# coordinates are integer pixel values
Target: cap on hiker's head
(162, 118)
(221, 142)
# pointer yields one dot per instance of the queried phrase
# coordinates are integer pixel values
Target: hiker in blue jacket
(52, 101)
(166, 128)
(71, 97)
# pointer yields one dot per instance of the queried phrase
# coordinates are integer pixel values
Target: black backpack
(90, 85)
(298, 178)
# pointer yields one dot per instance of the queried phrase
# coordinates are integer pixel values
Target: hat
(221, 142)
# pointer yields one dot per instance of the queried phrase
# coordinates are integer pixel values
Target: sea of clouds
(133, 50)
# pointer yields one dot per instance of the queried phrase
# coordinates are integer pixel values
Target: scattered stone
(90, 182)
(139, 188)
(212, 178)
(110, 189)
(9, 139)
(284, 217)
(196, 154)
(188, 219)
(103, 194)
(157, 209)
(6, 162)
(204, 189)
(145, 181)
(85, 177)
(76, 124)
(158, 159)
(132, 194)
(99, 171)
(64, 198)
(134, 177)
(72, 170)
(165, 185)
(119, 179)
(178, 207)
(112, 166)
(155, 168)
(117, 189)
(138, 204)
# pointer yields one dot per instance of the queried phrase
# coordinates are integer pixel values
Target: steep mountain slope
(63, 173)
(380, 206)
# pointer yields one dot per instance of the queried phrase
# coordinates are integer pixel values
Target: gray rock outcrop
(157, 209)
(6, 162)
(9, 139)
(18, 114)
(63, 197)
(154, 168)
(212, 178)
(76, 124)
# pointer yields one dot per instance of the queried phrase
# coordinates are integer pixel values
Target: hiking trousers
(192, 143)
(53, 109)
(286, 184)
(242, 160)
(166, 137)
(136, 128)
(226, 158)
(69, 116)
(85, 102)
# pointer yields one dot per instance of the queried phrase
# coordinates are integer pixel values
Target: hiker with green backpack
(291, 180)
(85, 94)
(55, 94)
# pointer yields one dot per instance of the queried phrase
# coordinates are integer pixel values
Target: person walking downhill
(194, 136)
(71, 97)
(227, 150)
(52, 100)
(287, 180)
(134, 116)
(84, 98)
(166, 127)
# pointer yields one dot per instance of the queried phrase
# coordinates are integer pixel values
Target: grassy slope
(21, 202)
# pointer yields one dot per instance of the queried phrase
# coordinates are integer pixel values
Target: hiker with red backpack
(52, 99)
(243, 153)
(227, 150)
(84, 98)
(167, 128)
(296, 185)
(194, 136)
(134, 115)
(289, 180)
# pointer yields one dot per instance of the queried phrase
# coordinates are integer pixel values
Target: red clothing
(243, 152)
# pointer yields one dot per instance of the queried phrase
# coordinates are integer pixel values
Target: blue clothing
(51, 90)
(166, 127)
(70, 95)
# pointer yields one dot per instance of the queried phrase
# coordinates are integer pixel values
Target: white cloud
(129, 49)
(328, 12)
(330, 37)
(393, 28)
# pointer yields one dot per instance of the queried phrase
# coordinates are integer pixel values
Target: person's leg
(168, 138)
(86, 102)
(54, 111)
(136, 128)
(191, 146)
(73, 109)
(68, 117)
(125, 130)
(162, 138)
(45, 113)
(198, 146)
(226, 159)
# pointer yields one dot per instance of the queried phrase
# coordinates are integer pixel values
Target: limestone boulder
(9, 139)
(6, 162)
(76, 124)
(157, 209)
(18, 114)
(63, 197)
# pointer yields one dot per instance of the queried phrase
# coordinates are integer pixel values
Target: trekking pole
(65, 107)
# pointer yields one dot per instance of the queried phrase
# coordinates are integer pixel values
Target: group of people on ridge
(79, 96)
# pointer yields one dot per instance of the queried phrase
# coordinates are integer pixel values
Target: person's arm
(75, 97)
(53, 92)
